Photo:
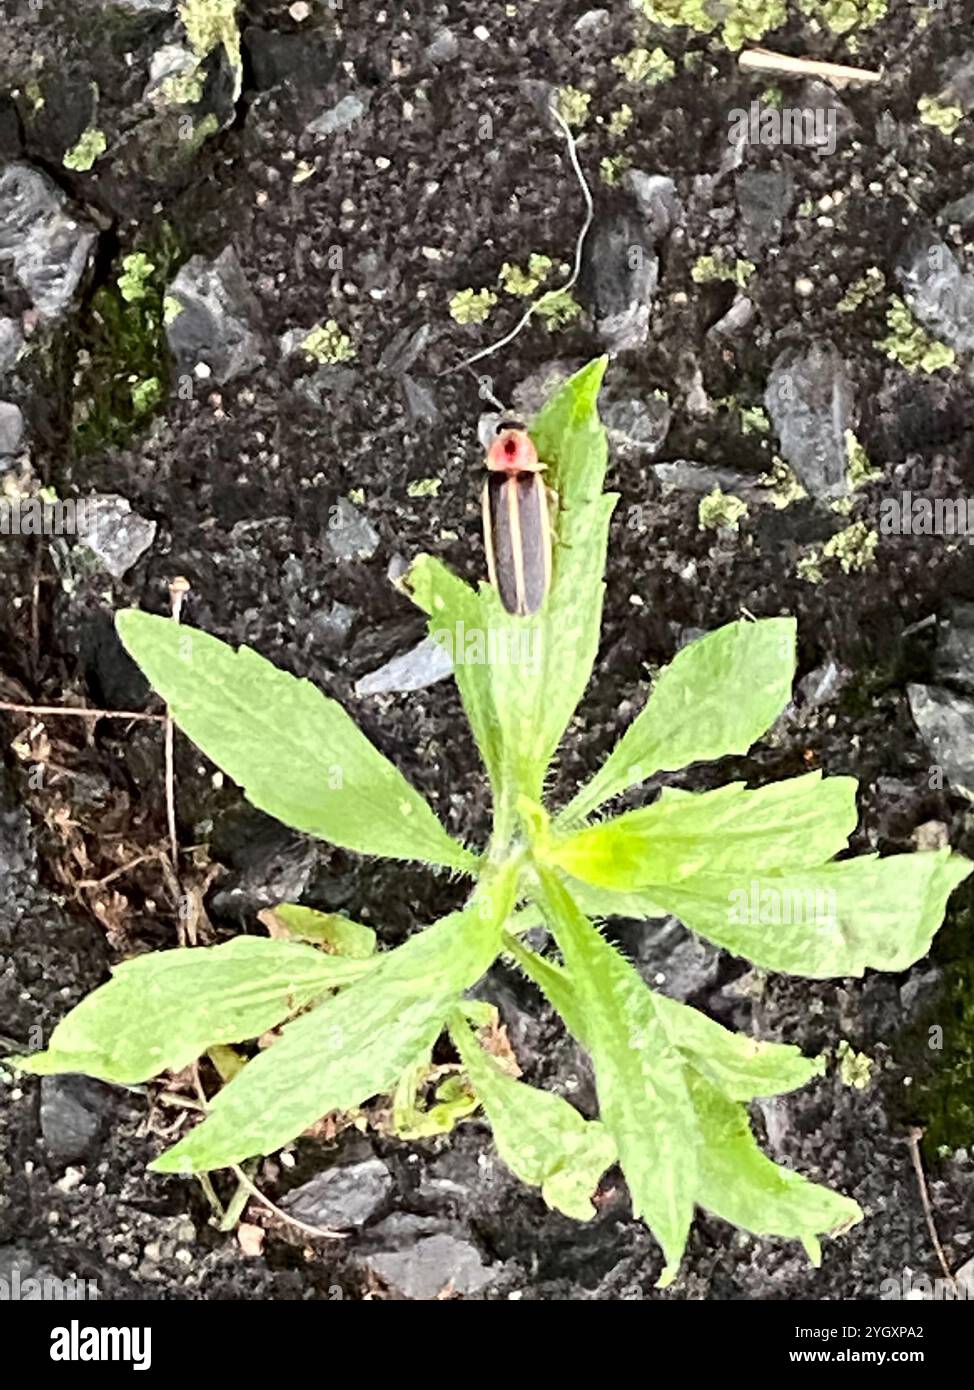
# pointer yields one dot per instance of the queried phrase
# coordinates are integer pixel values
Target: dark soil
(240, 479)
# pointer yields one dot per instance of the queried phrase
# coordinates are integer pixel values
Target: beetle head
(512, 450)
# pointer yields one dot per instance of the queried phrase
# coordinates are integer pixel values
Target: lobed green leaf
(717, 696)
(356, 1045)
(161, 1011)
(740, 1184)
(670, 1085)
(785, 825)
(542, 1139)
(643, 1097)
(830, 920)
(296, 753)
(742, 1067)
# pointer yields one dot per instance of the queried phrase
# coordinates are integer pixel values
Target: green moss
(854, 548)
(720, 511)
(472, 306)
(734, 21)
(423, 487)
(210, 23)
(171, 309)
(944, 116)
(859, 470)
(183, 88)
(707, 269)
(773, 97)
(137, 272)
(146, 394)
(782, 484)
(202, 130)
(940, 1046)
(840, 16)
(327, 345)
(910, 345)
(753, 420)
(809, 568)
(557, 309)
(869, 284)
(514, 280)
(91, 146)
(855, 1068)
(33, 95)
(645, 65)
(573, 106)
(123, 358)
(620, 121)
(612, 167)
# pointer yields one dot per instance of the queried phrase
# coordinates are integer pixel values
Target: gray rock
(618, 281)
(11, 344)
(819, 96)
(340, 117)
(778, 1123)
(810, 401)
(343, 1197)
(823, 684)
(436, 1264)
(656, 198)
(329, 381)
(306, 58)
(530, 394)
(143, 6)
(946, 725)
(427, 663)
(11, 429)
(46, 244)
(733, 151)
(921, 990)
(333, 626)
(939, 293)
(699, 479)
(765, 198)
(640, 426)
(591, 21)
(960, 212)
(270, 865)
(673, 960)
(402, 352)
(171, 60)
(73, 1112)
(349, 535)
(420, 402)
(114, 534)
(397, 567)
(215, 326)
(737, 318)
(445, 46)
(954, 657)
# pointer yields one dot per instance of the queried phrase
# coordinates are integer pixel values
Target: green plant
(751, 870)
(124, 364)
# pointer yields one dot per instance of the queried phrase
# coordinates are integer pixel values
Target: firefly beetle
(517, 525)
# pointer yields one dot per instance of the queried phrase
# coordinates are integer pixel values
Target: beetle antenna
(572, 280)
(484, 391)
